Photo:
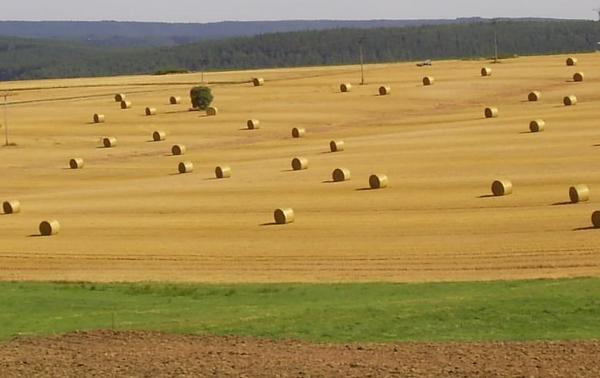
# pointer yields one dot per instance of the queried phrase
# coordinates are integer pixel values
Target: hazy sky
(219, 10)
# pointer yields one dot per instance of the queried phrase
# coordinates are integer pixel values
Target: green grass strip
(380, 312)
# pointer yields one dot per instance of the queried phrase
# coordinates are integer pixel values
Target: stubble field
(128, 215)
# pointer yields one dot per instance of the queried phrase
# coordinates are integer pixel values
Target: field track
(127, 216)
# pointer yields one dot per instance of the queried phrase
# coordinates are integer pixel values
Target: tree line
(35, 59)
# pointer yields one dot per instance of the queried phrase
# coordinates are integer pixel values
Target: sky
(221, 10)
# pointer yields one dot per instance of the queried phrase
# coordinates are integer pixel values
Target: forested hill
(155, 34)
(28, 59)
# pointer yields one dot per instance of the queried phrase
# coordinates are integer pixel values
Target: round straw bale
(502, 188)
(109, 142)
(174, 100)
(486, 71)
(223, 172)
(345, 87)
(178, 149)
(76, 163)
(596, 219)
(571, 61)
(159, 136)
(119, 97)
(48, 228)
(341, 174)
(336, 145)
(578, 76)
(253, 124)
(385, 90)
(258, 81)
(534, 96)
(11, 207)
(126, 104)
(570, 100)
(537, 125)
(284, 216)
(212, 111)
(185, 167)
(150, 111)
(298, 132)
(579, 193)
(428, 80)
(378, 181)
(491, 112)
(99, 118)
(299, 163)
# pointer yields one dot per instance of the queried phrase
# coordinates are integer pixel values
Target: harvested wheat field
(128, 216)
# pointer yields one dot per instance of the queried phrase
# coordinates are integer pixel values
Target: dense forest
(155, 34)
(29, 59)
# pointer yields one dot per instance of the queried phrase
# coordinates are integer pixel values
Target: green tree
(201, 97)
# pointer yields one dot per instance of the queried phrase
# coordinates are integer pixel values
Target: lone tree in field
(201, 97)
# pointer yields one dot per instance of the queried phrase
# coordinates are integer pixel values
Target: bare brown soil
(143, 354)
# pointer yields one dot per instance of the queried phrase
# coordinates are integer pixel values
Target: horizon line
(307, 20)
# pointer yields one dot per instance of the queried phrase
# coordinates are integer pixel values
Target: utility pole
(6, 95)
(494, 24)
(362, 62)
(5, 119)
(495, 46)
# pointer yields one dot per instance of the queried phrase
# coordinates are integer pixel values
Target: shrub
(201, 97)
(171, 71)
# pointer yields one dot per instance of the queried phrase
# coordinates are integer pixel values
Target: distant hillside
(152, 34)
(31, 59)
